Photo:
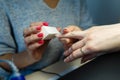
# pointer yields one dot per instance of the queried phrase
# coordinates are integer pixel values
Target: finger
(73, 28)
(65, 40)
(35, 45)
(76, 54)
(65, 31)
(34, 28)
(74, 34)
(33, 38)
(39, 23)
(74, 47)
(67, 46)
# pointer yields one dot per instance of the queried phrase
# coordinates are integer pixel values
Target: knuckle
(90, 37)
(32, 28)
(91, 47)
(74, 55)
(32, 24)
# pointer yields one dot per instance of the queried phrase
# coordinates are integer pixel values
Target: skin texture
(93, 41)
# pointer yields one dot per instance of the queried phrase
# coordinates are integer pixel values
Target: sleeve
(7, 43)
(3, 74)
(85, 18)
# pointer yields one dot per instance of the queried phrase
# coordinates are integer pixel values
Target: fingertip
(40, 35)
(41, 42)
(38, 28)
(66, 60)
(45, 23)
(65, 31)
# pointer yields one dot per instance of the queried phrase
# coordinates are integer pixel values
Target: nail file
(49, 32)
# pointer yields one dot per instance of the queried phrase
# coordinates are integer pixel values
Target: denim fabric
(16, 15)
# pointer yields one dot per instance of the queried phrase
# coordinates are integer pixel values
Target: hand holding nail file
(49, 32)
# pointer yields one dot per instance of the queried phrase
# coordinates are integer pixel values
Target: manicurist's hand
(93, 42)
(33, 40)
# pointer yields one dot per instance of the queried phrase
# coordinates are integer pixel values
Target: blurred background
(104, 11)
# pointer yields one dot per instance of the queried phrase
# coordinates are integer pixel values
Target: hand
(93, 42)
(67, 42)
(33, 40)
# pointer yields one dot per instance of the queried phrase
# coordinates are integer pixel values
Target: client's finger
(74, 55)
(74, 47)
(74, 34)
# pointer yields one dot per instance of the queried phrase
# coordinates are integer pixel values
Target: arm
(93, 41)
(8, 47)
(35, 47)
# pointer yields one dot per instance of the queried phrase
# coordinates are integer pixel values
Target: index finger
(74, 34)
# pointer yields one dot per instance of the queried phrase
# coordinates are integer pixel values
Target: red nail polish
(41, 42)
(40, 35)
(45, 23)
(38, 28)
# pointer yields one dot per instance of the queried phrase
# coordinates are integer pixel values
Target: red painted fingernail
(41, 42)
(45, 23)
(40, 35)
(38, 28)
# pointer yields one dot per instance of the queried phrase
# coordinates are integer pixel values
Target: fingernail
(40, 35)
(65, 31)
(41, 42)
(45, 23)
(38, 28)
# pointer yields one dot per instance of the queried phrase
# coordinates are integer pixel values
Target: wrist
(30, 58)
(7, 56)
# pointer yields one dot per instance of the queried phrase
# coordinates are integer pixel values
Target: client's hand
(67, 42)
(93, 42)
(33, 40)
